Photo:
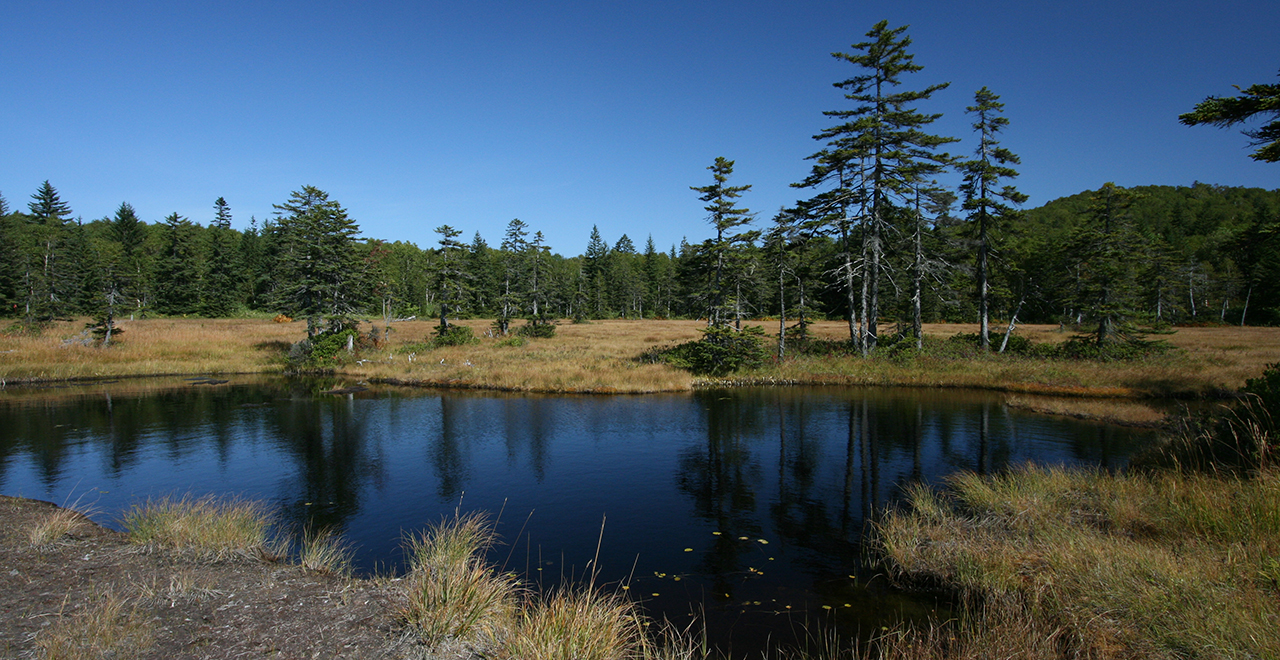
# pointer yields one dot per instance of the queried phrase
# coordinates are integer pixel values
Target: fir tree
(177, 270)
(1257, 100)
(727, 219)
(514, 246)
(880, 146)
(988, 204)
(451, 283)
(319, 272)
(220, 293)
(50, 289)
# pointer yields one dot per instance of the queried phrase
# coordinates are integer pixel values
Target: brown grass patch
(601, 357)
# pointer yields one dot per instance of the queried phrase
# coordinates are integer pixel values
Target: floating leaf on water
(763, 541)
(716, 533)
(847, 605)
(743, 538)
(655, 595)
(826, 607)
(688, 549)
(676, 578)
(627, 588)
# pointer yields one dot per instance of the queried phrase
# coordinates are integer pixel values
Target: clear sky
(570, 114)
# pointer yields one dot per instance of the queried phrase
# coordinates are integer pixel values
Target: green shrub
(1086, 347)
(721, 351)
(1267, 388)
(453, 335)
(328, 348)
(540, 330)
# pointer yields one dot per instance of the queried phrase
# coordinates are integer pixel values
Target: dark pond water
(747, 506)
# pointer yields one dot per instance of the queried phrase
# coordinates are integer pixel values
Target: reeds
(1150, 565)
(208, 527)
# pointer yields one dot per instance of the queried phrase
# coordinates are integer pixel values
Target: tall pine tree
(727, 219)
(881, 147)
(987, 202)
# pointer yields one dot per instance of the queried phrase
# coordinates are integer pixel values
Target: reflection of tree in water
(445, 452)
(328, 440)
(719, 477)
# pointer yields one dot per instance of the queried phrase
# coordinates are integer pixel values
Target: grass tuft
(576, 623)
(325, 552)
(58, 525)
(1130, 565)
(451, 592)
(209, 527)
(106, 628)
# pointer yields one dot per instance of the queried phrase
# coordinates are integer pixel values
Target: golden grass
(601, 357)
(207, 527)
(1157, 565)
(107, 627)
(57, 525)
(576, 623)
(325, 552)
(451, 593)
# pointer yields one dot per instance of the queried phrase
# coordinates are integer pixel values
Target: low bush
(539, 330)
(453, 335)
(721, 351)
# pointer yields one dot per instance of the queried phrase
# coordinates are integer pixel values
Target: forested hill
(1201, 252)
(1152, 254)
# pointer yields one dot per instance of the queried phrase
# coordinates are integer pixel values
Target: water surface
(746, 506)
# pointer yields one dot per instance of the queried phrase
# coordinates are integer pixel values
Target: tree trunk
(1247, 295)
(1013, 321)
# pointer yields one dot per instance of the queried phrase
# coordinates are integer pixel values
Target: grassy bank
(1080, 563)
(603, 356)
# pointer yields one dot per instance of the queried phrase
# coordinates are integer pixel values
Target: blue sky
(572, 114)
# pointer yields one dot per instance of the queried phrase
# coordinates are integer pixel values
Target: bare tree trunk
(1247, 295)
(782, 314)
(1013, 321)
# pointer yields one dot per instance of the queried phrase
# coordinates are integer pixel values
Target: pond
(746, 507)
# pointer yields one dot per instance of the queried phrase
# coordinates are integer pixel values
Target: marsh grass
(603, 356)
(1162, 564)
(325, 552)
(59, 524)
(451, 593)
(208, 527)
(576, 623)
(108, 626)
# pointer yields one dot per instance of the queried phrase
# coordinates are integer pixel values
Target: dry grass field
(602, 357)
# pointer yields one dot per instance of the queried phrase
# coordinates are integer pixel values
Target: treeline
(878, 243)
(1207, 254)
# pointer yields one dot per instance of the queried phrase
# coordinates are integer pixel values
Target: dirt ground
(93, 594)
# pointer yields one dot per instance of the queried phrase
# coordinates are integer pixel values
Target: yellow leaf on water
(688, 549)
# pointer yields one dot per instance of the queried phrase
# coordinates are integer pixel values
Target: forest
(1195, 254)
(878, 243)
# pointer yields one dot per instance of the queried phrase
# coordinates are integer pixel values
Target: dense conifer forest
(1193, 254)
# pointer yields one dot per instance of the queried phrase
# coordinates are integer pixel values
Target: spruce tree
(727, 219)
(318, 271)
(988, 204)
(880, 146)
(220, 293)
(177, 270)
